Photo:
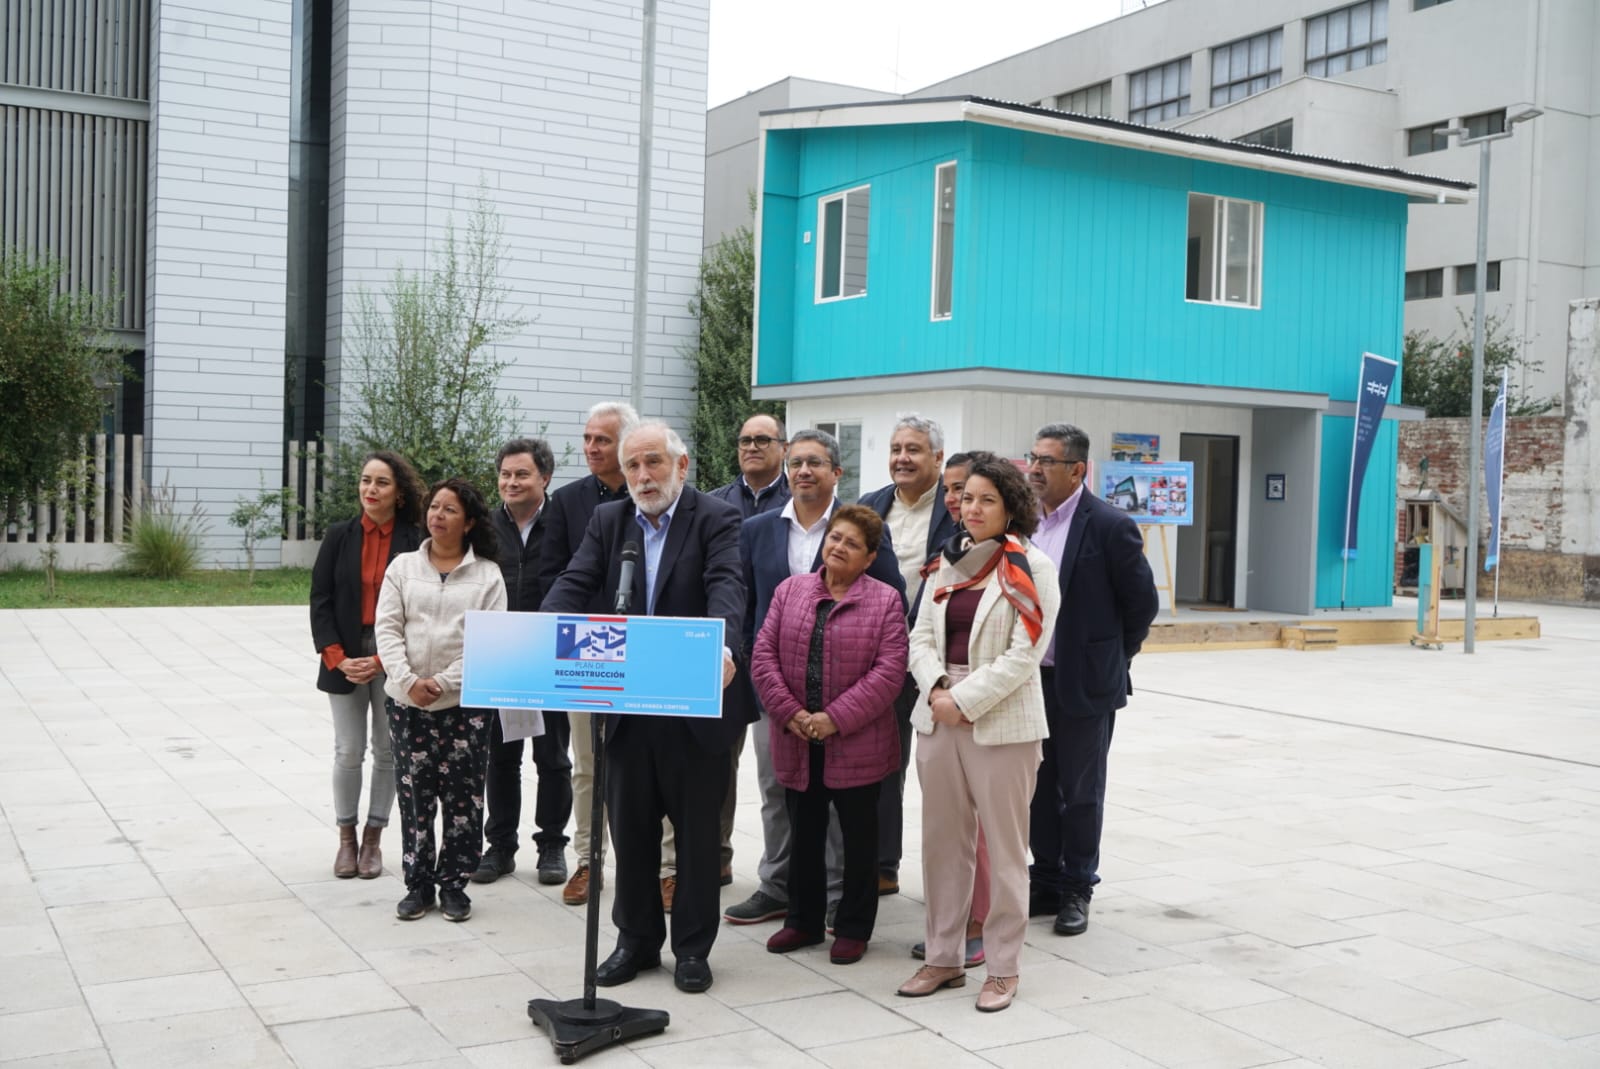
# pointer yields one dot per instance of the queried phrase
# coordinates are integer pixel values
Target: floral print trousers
(440, 760)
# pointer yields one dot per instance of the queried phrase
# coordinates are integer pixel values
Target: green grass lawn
(20, 589)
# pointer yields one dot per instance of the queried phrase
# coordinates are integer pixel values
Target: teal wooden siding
(1372, 571)
(1070, 259)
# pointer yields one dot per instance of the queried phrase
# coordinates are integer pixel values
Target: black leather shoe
(623, 965)
(1074, 916)
(552, 865)
(1043, 903)
(693, 975)
(494, 865)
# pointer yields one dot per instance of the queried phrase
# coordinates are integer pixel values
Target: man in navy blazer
(772, 546)
(918, 524)
(1108, 600)
(664, 766)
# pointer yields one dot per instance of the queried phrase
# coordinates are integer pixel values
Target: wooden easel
(1428, 567)
(1166, 562)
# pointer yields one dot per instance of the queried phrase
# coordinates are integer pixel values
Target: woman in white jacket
(441, 750)
(987, 613)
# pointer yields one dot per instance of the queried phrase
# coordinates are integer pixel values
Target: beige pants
(583, 799)
(964, 783)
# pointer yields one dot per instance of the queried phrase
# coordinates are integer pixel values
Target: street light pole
(1475, 427)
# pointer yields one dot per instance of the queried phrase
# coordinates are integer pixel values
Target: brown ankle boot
(344, 863)
(370, 864)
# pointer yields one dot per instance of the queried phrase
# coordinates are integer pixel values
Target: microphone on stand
(630, 561)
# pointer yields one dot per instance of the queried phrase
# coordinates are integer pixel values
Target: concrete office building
(238, 170)
(1372, 82)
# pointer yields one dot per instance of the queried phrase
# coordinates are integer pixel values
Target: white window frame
(1221, 210)
(844, 239)
(950, 253)
(849, 487)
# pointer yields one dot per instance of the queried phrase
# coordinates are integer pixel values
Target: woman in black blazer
(344, 596)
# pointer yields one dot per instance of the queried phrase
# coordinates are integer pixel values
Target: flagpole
(1500, 520)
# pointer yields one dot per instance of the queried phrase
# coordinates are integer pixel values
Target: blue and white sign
(648, 665)
(1151, 493)
(1377, 376)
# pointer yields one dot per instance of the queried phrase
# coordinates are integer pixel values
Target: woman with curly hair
(987, 613)
(441, 750)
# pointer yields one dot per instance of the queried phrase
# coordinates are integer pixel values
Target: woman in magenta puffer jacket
(828, 662)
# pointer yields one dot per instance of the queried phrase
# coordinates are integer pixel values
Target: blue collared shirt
(655, 540)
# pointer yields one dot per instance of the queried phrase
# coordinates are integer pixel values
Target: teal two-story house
(997, 267)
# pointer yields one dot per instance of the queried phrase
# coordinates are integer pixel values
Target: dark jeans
(891, 799)
(655, 768)
(808, 866)
(503, 791)
(439, 762)
(1069, 800)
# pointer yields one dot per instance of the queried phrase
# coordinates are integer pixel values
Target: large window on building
(842, 237)
(1278, 135)
(1224, 251)
(1421, 140)
(1420, 285)
(1467, 278)
(1090, 100)
(1245, 68)
(1485, 123)
(1423, 5)
(1348, 39)
(944, 239)
(1159, 93)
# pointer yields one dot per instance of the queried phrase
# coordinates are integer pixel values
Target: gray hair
(822, 438)
(1073, 441)
(922, 425)
(675, 447)
(625, 413)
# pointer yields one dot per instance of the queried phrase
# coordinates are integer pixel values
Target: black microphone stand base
(576, 1030)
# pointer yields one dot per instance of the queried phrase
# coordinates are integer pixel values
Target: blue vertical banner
(1377, 376)
(1494, 469)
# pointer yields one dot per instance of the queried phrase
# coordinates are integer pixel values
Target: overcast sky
(892, 45)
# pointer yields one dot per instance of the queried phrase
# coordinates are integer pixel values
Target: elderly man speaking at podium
(686, 545)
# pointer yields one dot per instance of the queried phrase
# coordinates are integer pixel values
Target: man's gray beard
(670, 492)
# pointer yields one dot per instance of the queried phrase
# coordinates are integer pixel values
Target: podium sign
(644, 665)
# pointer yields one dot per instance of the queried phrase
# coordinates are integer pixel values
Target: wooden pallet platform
(1319, 634)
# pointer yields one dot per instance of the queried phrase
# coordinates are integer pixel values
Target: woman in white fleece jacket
(441, 750)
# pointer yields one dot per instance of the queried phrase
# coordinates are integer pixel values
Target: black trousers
(808, 865)
(1069, 800)
(552, 806)
(891, 799)
(656, 769)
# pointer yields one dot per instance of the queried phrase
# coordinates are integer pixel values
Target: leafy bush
(1436, 373)
(264, 516)
(161, 543)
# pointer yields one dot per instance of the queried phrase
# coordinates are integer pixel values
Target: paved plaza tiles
(1374, 857)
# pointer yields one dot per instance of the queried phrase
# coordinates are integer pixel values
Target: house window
(1278, 136)
(1159, 93)
(1420, 285)
(849, 437)
(1430, 138)
(1224, 251)
(944, 238)
(1245, 68)
(1090, 100)
(1423, 5)
(1348, 39)
(842, 259)
(1486, 123)
(1467, 278)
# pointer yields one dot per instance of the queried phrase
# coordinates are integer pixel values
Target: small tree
(1436, 373)
(423, 368)
(56, 362)
(263, 516)
(724, 303)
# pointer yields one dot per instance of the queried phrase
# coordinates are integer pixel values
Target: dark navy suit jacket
(764, 550)
(1108, 600)
(698, 575)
